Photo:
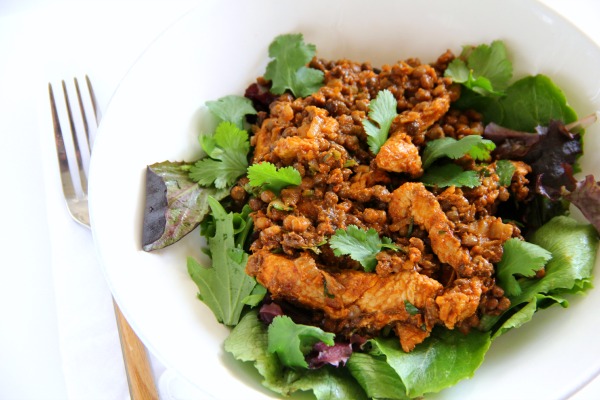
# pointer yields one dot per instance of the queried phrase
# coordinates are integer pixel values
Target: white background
(43, 41)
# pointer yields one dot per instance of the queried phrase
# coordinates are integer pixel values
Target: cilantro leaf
(360, 245)
(232, 109)
(288, 68)
(267, 175)
(520, 258)
(450, 175)
(291, 341)
(505, 170)
(225, 285)
(226, 160)
(484, 69)
(382, 110)
(473, 145)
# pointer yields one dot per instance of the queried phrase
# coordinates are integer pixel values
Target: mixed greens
(529, 119)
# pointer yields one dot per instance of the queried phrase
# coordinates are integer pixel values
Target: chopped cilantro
(291, 341)
(410, 308)
(267, 176)
(473, 145)
(520, 259)
(232, 109)
(288, 68)
(450, 175)
(226, 159)
(360, 245)
(483, 69)
(382, 110)
(505, 170)
(224, 285)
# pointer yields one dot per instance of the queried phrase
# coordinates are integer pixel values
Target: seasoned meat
(450, 238)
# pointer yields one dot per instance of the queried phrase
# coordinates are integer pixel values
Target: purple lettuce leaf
(175, 204)
(585, 195)
(336, 355)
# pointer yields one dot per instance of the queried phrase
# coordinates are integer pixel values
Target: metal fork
(74, 184)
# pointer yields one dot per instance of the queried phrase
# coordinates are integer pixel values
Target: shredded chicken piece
(412, 203)
(351, 300)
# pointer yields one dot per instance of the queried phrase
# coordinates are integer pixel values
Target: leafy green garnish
(288, 68)
(232, 109)
(533, 101)
(227, 151)
(445, 358)
(291, 341)
(519, 258)
(224, 285)
(483, 69)
(573, 246)
(529, 102)
(248, 342)
(505, 170)
(473, 145)
(360, 245)
(175, 204)
(450, 175)
(382, 110)
(376, 377)
(267, 176)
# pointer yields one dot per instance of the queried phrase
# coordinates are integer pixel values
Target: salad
(373, 230)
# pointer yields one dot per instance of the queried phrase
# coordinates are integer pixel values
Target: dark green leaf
(450, 175)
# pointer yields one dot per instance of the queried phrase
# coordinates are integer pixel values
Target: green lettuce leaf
(444, 359)
(376, 377)
(248, 342)
(291, 341)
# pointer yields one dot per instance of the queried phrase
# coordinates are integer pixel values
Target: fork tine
(82, 110)
(93, 100)
(77, 147)
(63, 161)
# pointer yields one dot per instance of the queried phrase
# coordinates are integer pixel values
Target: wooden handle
(137, 366)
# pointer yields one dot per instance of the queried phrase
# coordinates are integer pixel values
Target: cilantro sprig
(227, 151)
(485, 69)
(269, 177)
(473, 145)
(361, 245)
(288, 68)
(232, 108)
(382, 111)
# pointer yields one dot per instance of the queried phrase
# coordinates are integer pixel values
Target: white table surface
(42, 41)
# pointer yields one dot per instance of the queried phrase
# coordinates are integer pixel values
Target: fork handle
(139, 374)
